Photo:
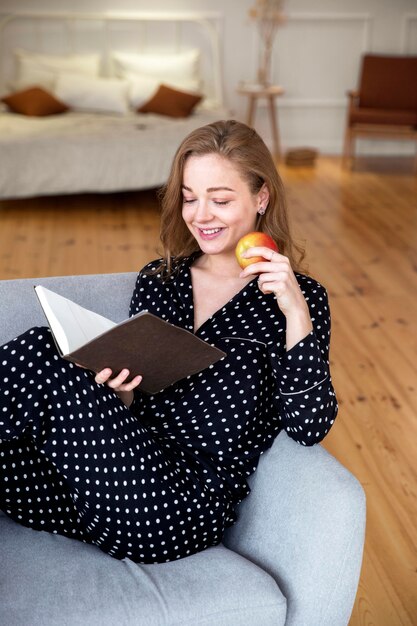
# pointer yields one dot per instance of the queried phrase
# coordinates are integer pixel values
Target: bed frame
(68, 32)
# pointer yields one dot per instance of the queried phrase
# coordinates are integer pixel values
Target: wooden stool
(254, 92)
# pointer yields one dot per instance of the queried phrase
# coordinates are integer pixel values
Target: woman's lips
(209, 233)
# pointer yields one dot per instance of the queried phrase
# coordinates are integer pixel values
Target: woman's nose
(203, 213)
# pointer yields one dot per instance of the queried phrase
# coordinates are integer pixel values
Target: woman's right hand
(123, 390)
(117, 383)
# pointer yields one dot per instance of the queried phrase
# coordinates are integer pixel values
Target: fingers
(275, 276)
(135, 382)
(273, 283)
(266, 253)
(282, 265)
(286, 289)
(103, 376)
(264, 267)
(118, 382)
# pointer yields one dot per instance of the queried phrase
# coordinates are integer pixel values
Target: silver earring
(261, 210)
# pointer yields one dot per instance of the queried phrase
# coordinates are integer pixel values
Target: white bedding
(87, 152)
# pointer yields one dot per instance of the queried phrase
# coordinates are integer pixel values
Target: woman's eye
(188, 200)
(221, 202)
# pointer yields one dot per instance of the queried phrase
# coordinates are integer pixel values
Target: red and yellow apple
(252, 240)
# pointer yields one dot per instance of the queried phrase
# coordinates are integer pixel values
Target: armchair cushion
(47, 580)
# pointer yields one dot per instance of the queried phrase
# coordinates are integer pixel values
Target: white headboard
(63, 33)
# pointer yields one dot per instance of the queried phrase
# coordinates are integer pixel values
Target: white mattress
(88, 152)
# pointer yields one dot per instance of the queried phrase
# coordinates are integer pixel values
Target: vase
(264, 67)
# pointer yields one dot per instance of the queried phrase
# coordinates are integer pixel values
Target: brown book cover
(145, 344)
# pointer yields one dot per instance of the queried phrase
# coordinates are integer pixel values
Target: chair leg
(415, 159)
(347, 147)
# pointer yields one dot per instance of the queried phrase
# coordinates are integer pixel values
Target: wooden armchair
(385, 105)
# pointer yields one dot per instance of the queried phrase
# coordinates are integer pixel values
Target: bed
(116, 75)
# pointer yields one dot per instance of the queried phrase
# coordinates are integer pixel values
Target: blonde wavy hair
(244, 148)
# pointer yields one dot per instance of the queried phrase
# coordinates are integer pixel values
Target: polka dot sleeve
(305, 391)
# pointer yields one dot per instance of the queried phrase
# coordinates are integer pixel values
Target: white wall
(316, 56)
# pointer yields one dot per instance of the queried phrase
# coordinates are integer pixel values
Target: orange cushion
(34, 102)
(171, 102)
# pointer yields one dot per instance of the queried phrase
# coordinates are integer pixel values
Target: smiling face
(218, 205)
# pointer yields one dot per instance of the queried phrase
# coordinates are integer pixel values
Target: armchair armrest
(107, 294)
(304, 524)
(353, 93)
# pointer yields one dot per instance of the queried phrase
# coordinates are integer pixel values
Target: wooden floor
(361, 233)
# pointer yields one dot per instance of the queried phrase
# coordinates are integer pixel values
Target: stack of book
(304, 157)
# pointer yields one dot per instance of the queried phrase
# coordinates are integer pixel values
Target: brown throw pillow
(171, 102)
(34, 102)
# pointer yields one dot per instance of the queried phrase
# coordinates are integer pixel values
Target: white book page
(71, 324)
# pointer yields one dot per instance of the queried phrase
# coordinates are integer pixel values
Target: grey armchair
(293, 557)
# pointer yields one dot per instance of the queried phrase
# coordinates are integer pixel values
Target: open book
(145, 344)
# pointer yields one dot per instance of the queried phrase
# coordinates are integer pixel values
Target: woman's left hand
(276, 276)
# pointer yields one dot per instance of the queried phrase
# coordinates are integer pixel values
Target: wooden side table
(253, 93)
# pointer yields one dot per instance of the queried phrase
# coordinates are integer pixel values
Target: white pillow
(142, 88)
(85, 93)
(177, 65)
(43, 69)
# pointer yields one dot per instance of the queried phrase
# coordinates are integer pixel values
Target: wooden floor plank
(360, 228)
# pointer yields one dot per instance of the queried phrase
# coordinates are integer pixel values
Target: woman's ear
(263, 197)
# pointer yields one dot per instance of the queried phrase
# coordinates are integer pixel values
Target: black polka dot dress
(161, 479)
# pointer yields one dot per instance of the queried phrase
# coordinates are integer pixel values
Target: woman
(156, 478)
